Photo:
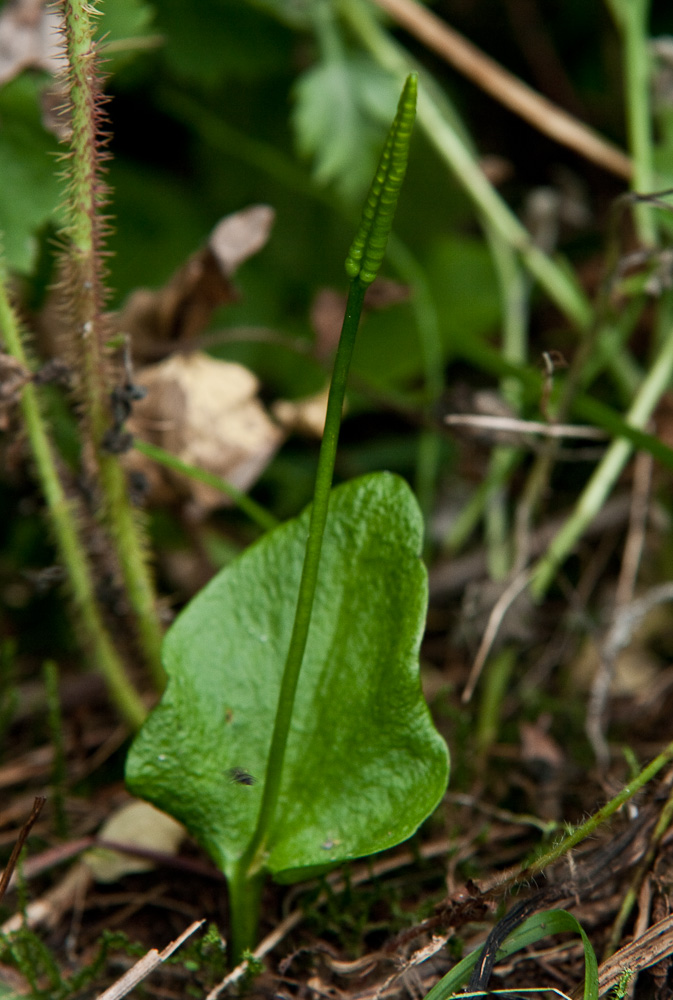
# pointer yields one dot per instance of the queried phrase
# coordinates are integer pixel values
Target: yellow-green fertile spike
(369, 246)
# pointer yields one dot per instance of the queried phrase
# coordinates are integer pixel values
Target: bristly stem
(85, 297)
(362, 264)
(62, 518)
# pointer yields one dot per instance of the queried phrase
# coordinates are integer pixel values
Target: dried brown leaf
(327, 311)
(29, 39)
(13, 377)
(206, 412)
(159, 321)
(304, 416)
(135, 824)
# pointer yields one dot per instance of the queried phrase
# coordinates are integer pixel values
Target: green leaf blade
(364, 765)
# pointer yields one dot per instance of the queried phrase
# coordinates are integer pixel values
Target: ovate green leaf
(364, 764)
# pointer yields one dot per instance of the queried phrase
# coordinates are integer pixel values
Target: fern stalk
(62, 515)
(85, 299)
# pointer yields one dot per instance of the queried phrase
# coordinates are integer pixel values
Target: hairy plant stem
(592, 824)
(252, 862)
(63, 521)
(85, 232)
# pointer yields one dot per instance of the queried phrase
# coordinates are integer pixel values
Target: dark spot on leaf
(240, 777)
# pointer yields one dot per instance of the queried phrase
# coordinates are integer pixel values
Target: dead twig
(21, 840)
(512, 425)
(648, 949)
(500, 608)
(147, 964)
(506, 88)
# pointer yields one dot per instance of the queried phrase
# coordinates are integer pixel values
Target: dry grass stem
(147, 964)
(21, 840)
(480, 421)
(506, 88)
(500, 609)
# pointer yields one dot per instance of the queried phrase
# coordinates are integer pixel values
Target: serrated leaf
(342, 112)
(364, 765)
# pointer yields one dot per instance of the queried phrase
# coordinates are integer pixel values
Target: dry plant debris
(205, 412)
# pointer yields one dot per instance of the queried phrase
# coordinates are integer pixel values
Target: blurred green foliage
(225, 103)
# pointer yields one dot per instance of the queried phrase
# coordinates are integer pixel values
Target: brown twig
(537, 110)
(500, 609)
(648, 949)
(147, 964)
(21, 840)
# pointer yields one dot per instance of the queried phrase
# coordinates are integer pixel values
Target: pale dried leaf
(206, 412)
(136, 824)
(327, 311)
(240, 236)
(303, 416)
(538, 747)
(159, 321)
(29, 39)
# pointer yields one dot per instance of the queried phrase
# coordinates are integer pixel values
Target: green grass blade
(538, 926)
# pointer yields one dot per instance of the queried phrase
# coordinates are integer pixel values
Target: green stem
(131, 547)
(255, 511)
(496, 681)
(430, 342)
(362, 263)
(62, 517)
(632, 17)
(245, 896)
(558, 282)
(86, 233)
(514, 288)
(598, 488)
(253, 857)
(599, 817)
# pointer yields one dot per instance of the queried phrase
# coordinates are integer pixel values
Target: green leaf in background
(296, 13)
(343, 109)
(228, 38)
(125, 22)
(364, 764)
(464, 288)
(30, 192)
